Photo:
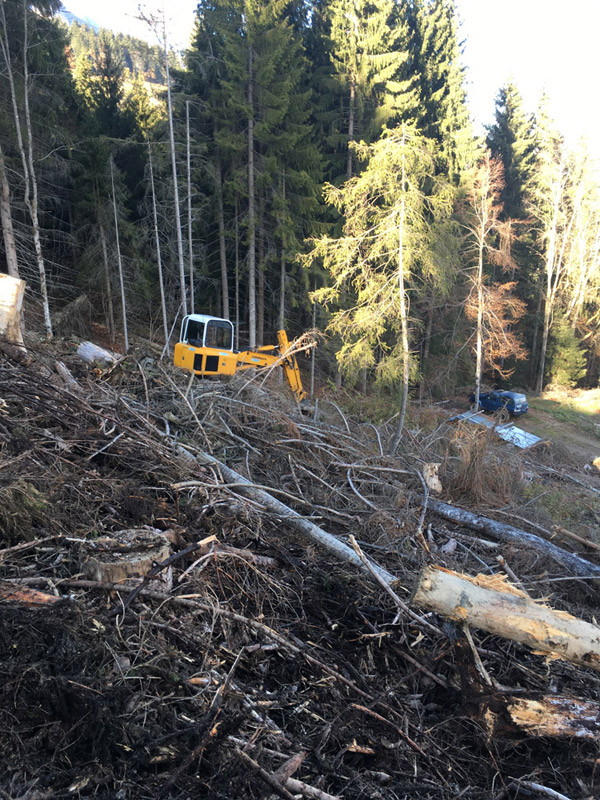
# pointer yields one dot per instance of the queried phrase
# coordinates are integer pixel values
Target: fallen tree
(501, 532)
(489, 603)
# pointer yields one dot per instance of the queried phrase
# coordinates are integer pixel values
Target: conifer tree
(441, 112)
(385, 242)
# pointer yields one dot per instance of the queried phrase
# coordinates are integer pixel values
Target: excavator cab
(206, 348)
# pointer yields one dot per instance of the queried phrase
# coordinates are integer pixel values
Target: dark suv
(504, 403)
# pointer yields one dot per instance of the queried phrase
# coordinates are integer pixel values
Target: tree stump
(94, 355)
(11, 305)
(127, 555)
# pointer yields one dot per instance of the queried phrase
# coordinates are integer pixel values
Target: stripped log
(506, 533)
(556, 716)
(492, 604)
(92, 354)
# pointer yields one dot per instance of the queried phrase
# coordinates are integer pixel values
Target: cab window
(219, 334)
(194, 333)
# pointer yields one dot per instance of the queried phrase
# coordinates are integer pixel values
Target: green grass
(568, 410)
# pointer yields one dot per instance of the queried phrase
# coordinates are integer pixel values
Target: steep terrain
(261, 666)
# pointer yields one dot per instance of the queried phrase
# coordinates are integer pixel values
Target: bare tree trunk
(33, 205)
(10, 248)
(107, 287)
(282, 271)
(189, 203)
(31, 192)
(251, 206)
(260, 323)
(222, 248)
(237, 276)
(351, 112)
(119, 260)
(163, 302)
(403, 318)
(184, 305)
(312, 355)
(479, 333)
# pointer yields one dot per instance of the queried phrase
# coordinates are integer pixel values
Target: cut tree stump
(127, 554)
(493, 605)
(11, 305)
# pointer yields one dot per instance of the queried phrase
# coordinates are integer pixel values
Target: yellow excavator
(205, 347)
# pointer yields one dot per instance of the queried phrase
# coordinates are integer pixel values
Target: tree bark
(107, 287)
(222, 248)
(510, 613)
(189, 203)
(161, 281)
(506, 533)
(251, 206)
(10, 248)
(176, 209)
(119, 259)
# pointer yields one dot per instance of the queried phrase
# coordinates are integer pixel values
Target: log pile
(265, 644)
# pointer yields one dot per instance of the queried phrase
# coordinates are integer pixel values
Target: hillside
(256, 663)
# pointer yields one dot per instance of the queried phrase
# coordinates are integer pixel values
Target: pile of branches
(269, 665)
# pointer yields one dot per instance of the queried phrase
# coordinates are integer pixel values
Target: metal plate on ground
(509, 432)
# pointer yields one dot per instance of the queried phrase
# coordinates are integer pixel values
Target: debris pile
(206, 593)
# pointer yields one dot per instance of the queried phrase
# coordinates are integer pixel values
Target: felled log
(92, 354)
(11, 304)
(492, 604)
(556, 717)
(125, 555)
(304, 527)
(24, 596)
(507, 533)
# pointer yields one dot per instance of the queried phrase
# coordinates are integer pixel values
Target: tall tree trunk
(479, 333)
(119, 259)
(403, 316)
(222, 248)
(351, 112)
(260, 323)
(282, 270)
(26, 153)
(237, 275)
(33, 204)
(313, 353)
(536, 332)
(251, 206)
(107, 286)
(189, 203)
(176, 209)
(10, 248)
(161, 281)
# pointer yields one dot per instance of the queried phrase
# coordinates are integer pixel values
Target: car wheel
(503, 416)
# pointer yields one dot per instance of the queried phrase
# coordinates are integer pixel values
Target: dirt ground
(263, 659)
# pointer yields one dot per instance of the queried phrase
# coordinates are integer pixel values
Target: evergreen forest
(304, 163)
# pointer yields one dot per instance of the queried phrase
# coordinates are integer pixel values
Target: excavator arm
(206, 348)
(272, 355)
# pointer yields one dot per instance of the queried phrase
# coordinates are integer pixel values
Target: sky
(543, 45)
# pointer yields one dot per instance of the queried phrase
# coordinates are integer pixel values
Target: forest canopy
(312, 157)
